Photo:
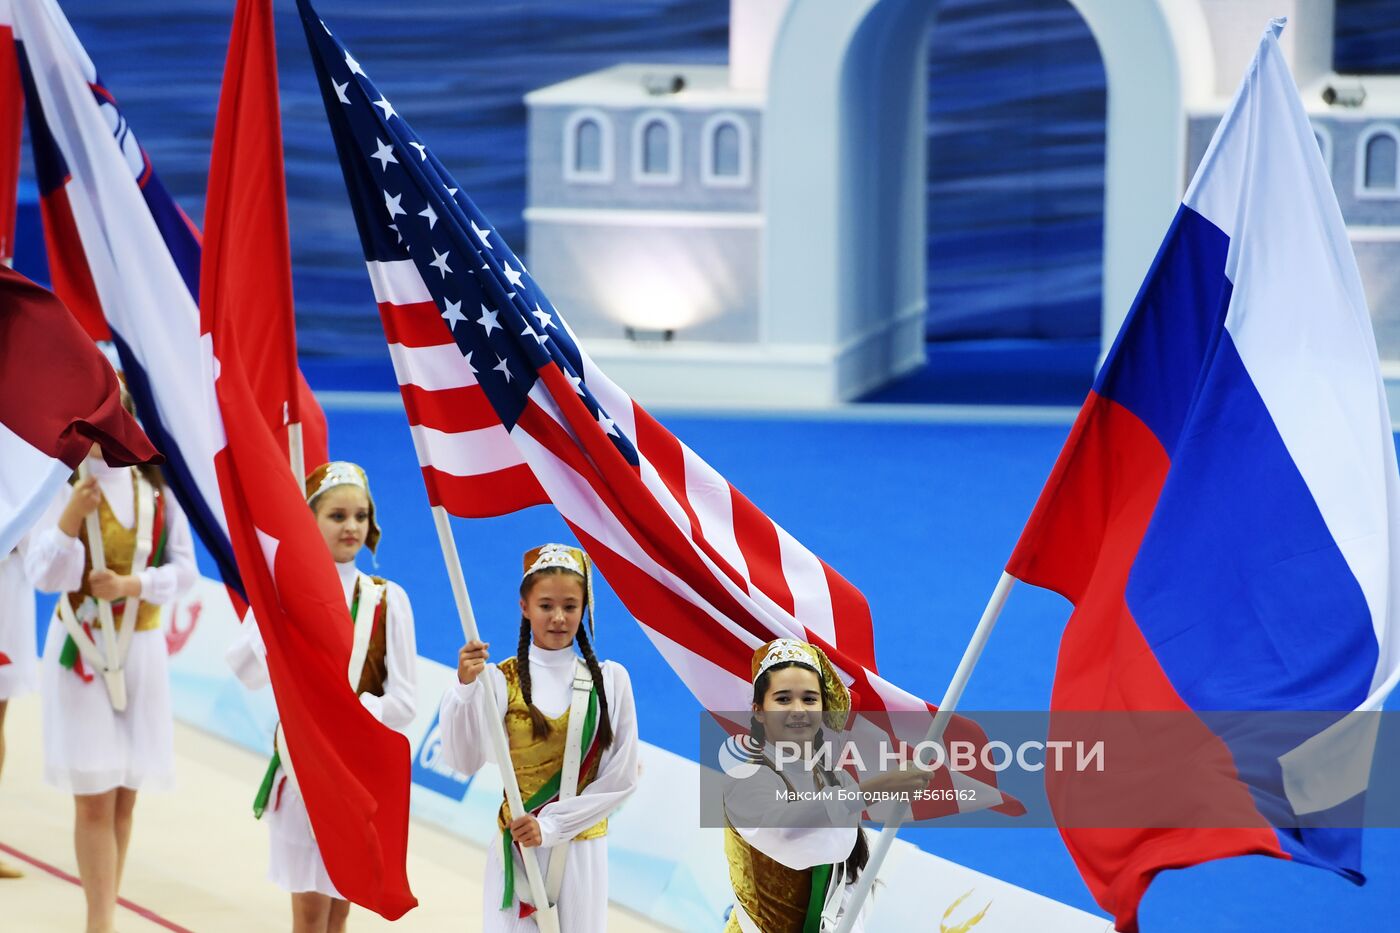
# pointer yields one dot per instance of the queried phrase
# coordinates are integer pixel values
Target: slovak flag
(125, 259)
(1225, 515)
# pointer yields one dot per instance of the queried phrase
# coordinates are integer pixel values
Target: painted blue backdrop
(1015, 132)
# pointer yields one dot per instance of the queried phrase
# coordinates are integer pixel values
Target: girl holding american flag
(572, 727)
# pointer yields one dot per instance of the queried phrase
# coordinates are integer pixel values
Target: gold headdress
(328, 476)
(790, 650)
(565, 557)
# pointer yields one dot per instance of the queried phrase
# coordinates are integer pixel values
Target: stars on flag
(353, 65)
(340, 91)
(608, 425)
(512, 275)
(488, 320)
(440, 263)
(391, 204)
(530, 332)
(481, 235)
(503, 367)
(544, 317)
(384, 153)
(452, 314)
(422, 151)
(429, 213)
(388, 108)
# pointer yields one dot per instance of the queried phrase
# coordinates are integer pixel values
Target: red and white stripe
(708, 575)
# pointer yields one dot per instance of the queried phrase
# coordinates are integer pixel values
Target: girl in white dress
(550, 698)
(793, 865)
(338, 494)
(99, 755)
(17, 653)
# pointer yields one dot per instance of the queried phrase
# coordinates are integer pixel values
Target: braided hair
(539, 723)
(860, 852)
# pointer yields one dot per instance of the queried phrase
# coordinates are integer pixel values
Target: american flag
(508, 411)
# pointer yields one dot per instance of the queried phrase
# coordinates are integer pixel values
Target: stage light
(649, 335)
(659, 84)
(1350, 94)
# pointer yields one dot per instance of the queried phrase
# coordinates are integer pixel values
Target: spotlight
(657, 85)
(1344, 95)
(649, 335)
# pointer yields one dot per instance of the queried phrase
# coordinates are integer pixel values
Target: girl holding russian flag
(383, 671)
(571, 724)
(106, 738)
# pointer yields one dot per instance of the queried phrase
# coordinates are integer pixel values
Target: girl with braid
(382, 671)
(572, 729)
(793, 864)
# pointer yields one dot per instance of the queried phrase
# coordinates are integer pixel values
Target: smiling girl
(554, 700)
(382, 671)
(793, 864)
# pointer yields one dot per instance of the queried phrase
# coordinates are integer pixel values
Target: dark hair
(538, 722)
(860, 852)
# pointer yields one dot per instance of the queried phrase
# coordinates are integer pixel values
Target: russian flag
(1225, 514)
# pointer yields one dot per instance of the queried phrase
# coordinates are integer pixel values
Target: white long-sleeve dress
(294, 860)
(89, 748)
(466, 747)
(19, 665)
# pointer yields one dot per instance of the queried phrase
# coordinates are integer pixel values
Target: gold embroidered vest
(376, 669)
(774, 896)
(118, 546)
(537, 760)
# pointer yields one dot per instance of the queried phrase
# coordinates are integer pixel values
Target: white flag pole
(297, 454)
(112, 672)
(547, 917)
(945, 712)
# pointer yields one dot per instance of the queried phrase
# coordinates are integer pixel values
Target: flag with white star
(508, 411)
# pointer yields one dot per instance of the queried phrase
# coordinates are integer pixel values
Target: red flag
(353, 772)
(248, 195)
(58, 395)
(11, 119)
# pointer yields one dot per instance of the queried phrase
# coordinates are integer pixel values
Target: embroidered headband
(572, 559)
(327, 476)
(791, 650)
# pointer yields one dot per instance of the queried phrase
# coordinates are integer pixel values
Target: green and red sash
(69, 658)
(546, 795)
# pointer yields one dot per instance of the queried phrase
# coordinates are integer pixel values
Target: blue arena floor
(920, 516)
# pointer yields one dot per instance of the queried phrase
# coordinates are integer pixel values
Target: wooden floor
(198, 859)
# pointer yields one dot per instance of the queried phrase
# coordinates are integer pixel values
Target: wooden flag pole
(112, 672)
(945, 712)
(547, 916)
